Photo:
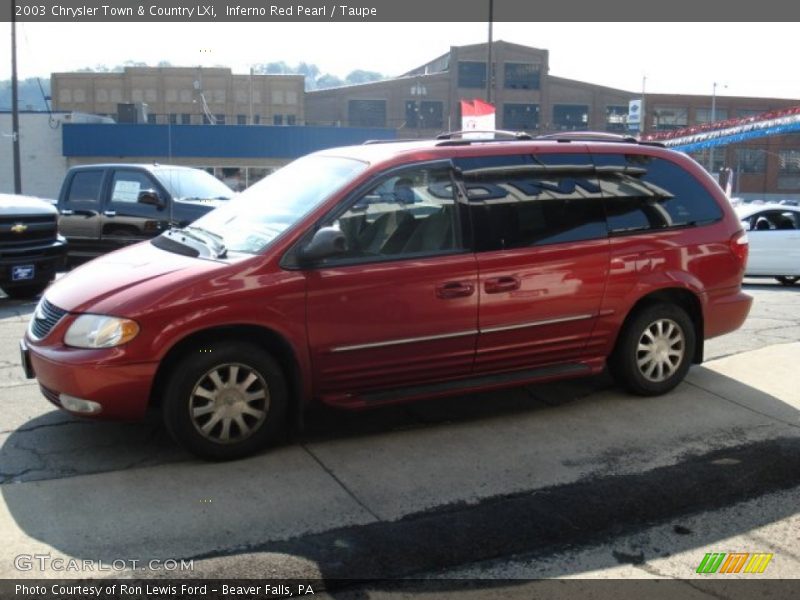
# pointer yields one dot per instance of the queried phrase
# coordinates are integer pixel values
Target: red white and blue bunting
(721, 133)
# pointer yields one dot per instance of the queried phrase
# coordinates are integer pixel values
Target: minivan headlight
(100, 331)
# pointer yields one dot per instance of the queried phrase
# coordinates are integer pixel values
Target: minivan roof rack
(392, 141)
(508, 135)
(593, 136)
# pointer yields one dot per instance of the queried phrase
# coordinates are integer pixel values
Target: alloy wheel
(660, 350)
(229, 403)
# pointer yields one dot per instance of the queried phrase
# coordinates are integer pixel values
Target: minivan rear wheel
(226, 401)
(654, 350)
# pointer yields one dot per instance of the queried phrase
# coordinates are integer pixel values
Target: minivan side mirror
(151, 198)
(327, 241)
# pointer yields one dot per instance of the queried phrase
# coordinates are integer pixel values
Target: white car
(774, 234)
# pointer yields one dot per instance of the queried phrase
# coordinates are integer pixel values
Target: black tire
(193, 398)
(636, 367)
(787, 280)
(24, 292)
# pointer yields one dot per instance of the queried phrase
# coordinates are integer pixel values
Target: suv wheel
(227, 401)
(787, 280)
(654, 351)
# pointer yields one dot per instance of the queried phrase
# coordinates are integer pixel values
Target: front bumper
(46, 261)
(121, 390)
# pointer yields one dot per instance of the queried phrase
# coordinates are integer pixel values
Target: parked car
(774, 234)
(510, 262)
(104, 207)
(30, 248)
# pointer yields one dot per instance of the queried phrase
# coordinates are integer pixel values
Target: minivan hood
(107, 282)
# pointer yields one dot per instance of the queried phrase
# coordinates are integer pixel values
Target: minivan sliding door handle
(497, 285)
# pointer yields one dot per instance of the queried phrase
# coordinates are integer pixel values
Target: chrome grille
(26, 230)
(45, 318)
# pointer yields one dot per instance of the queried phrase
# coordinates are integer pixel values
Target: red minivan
(390, 272)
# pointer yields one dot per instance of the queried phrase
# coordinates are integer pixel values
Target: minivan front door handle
(496, 285)
(454, 289)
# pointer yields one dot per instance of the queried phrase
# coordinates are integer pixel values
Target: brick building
(185, 95)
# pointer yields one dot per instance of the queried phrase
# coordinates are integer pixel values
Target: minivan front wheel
(226, 401)
(655, 350)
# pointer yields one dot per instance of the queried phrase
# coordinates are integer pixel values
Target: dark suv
(383, 273)
(30, 248)
(104, 207)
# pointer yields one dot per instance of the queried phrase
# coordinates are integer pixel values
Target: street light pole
(713, 118)
(489, 57)
(15, 106)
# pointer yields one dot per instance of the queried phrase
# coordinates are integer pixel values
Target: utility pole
(489, 61)
(15, 106)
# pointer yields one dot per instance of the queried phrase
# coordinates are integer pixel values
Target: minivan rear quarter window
(644, 193)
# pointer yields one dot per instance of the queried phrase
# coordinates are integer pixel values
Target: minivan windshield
(252, 219)
(192, 184)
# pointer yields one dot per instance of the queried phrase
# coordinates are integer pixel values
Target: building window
(751, 160)
(704, 156)
(789, 161)
(206, 120)
(186, 96)
(426, 114)
(471, 74)
(521, 116)
(137, 96)
(171, 95)
(703, 115)
(277, 119)
(749, 112)
(277, 96)
(291, 119)
(521, 76)
(256, 119)
(666, 118)
(150, 95)
(186, 118)
(241, 119)
(366, 113)
(616, 118)
(219, 119)
(101, 95)
(151, 119)
(219, 96)
(173, 119)
(291, 97)
(570, 117)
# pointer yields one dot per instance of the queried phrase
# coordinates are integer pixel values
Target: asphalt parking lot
(567, 480)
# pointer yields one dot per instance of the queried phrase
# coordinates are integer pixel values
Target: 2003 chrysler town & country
(384, 273)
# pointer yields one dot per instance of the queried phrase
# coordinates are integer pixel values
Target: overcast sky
(752, 59)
